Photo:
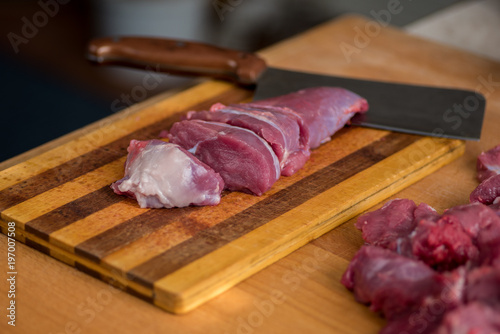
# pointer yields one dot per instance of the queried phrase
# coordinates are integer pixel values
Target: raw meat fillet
(323, 109)
(488, 164)
(487, 192)
(390, 226)
(160, 174)
(483, 285)
(473, 318)
(281, 128)
(397, 285)
(245, 161)
(443, 244)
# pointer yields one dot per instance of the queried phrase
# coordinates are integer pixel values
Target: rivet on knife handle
(178, 57)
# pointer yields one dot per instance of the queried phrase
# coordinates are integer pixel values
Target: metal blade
(430, 111)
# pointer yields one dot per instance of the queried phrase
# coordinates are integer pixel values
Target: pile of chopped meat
(431, 273)
(242, 147)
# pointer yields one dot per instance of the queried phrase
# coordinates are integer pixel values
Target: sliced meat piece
(390, 226)
(323, 109)
(280, 128)
(488, 164)
(483, 285)
(473, 318)
(443, 245)
(487, 192)
(397, 285)
(245, 161)
(160, 174)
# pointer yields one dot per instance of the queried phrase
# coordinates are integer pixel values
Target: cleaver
(415, 109)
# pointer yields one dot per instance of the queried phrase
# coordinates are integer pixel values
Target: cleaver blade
(422, 110)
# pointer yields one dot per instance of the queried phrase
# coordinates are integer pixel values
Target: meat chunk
(488, 164)
(428, 316)
(483, 285)
(160, 174)
(324, 109)
(473, 318)
(245, 161)
(281, 128)
(487, 192)
(495, 206)
(396, 285)
(488, 243)
(390, 226)
(473, 217)
(452, 240)
(443, 244)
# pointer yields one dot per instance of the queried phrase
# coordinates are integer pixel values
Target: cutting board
(62, 205)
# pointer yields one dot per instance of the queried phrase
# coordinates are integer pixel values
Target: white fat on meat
(161, 174)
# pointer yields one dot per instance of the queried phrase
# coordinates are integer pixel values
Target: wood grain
(299, 293)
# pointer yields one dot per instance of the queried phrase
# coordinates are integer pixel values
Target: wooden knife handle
(177, 57)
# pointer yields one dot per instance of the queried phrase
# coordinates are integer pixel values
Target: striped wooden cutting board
(177, 259)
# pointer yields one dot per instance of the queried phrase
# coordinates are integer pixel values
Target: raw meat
(483, 285)
(427, 316)
(245, 161)
(473, 217)
(390, 226)
(397, 285)
(473, 318)
(281, 128)
(495, 206)
(451, 241)
(487, 192)
(443, 244)
(488, 243)
(323, 109)
(488, 164)
(160, 174)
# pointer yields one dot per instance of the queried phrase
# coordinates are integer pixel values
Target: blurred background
(49, 88)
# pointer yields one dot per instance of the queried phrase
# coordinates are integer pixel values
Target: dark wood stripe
(121, 235)
(71, 212)
(88, 271)
(100, 156)
(115, 284)
(272, 207)
(37, 246)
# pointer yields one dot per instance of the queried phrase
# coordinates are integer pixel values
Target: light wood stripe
(147, 247)
(65, 193)
(94, 224)
(73, 211)
(109, 131)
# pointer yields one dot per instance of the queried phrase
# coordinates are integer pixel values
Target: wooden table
(301, 292)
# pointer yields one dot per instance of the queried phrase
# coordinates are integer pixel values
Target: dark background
(49, 89)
